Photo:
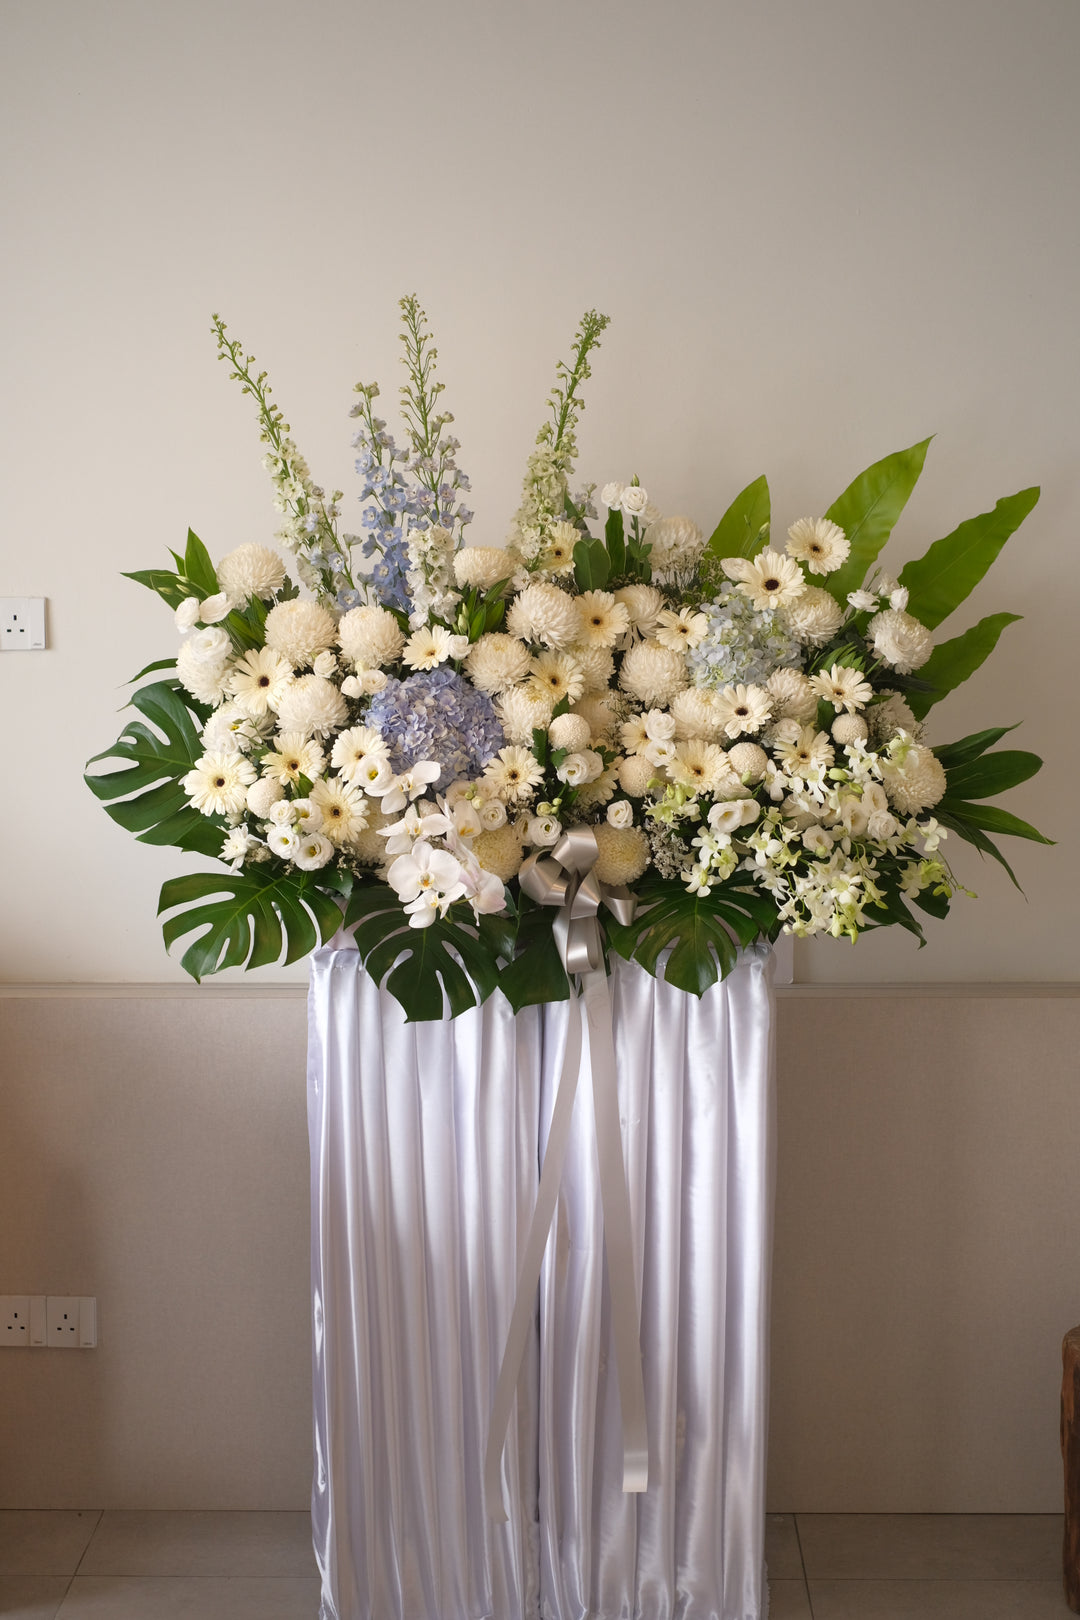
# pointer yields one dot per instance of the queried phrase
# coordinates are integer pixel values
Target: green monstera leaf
(705, 931)
(418, 964)
(145, 796)
(262, 911)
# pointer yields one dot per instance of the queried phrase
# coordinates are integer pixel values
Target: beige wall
(928, 1225)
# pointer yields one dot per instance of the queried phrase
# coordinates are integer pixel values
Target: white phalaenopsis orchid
(427, 880)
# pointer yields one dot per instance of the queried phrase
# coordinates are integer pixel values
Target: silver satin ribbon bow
(566, 879)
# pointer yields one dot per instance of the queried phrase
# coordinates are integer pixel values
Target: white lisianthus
(899, 640)
(577, 769)
(313, 851)
(569, 731)
(365, 684)
(611, 495)
(326, 665)
(370, 637)
(727, 818)
(821, 544)
(634, 500)
(844, 688)
(284, 841)
(251, 570)
(209, 646)
(373, 773)
(769, 580)
(218, 784)
(481, 567)
(313, 705)
(187, 614)
(899, 598)
(492, 813)
(282, 812)
(427, 647)
(659, 725)
(659, 753)
(862, 601)
(300, 630)
(259, 680)
(544, 831)
(620, 814)
(215, 608)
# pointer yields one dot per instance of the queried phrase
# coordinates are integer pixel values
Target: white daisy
(557, 675)
(742, 709)
(770, 580)
(428, 647)
(259, 680)
(844, 688)
(343, 808)
(218, 784)
(353, 746)
(293, 756)
(513, 774)
(681, 630)
(603, 620)
(821, 544)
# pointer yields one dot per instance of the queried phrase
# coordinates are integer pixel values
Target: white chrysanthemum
(263, 795)
(497, 661)
(769, 580)
(370, 637)
(557, 555)
(499, 850)
(427, 647)
(743, 709)
(251, 571)
(300, 630)
(698, 765)
(218, 784)
(821, 544)
(914, 780)
(624, 853)
(293, 755)
(354, 746)
(849, 728)
(369, 846)
(653, 673)
(635, 773)
(205, 682)
(791, 695)
(810, 751)
(344, 809)
(643, 603)
(558, 676)
(599, 714)
(842, 687)
(681, 630)
(748, 761)
(597, 666)
(259, 680)
(697, 714)
(569, 731)
(545, 613)
(481, 567)
(899, 640)
(312, 705)
(513, 774)
(524, 709)
(815, 617)
(887, 718)
(603, 620)
(676, 543)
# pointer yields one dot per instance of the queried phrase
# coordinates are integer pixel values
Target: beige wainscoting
(153, 1152)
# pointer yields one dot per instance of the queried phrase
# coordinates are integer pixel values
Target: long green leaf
(992, 774)
(163, 582)
(990, 818)
(951, 662)
(972, 747)
(197, 566)
(967, 830)
(868, 510)
(939, 581)
(739, 531)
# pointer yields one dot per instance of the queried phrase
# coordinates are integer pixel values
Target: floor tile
(44, 1542)
(788, 1600)
(203, 1544)
(938, 1600)
(31, 1597)
(931, 1546)
(143, 1597)
(782, 1556)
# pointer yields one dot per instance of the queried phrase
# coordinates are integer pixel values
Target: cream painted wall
(822, 232)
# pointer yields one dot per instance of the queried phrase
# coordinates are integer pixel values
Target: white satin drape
(424, 1148)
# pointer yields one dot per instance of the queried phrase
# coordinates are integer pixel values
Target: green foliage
(744, 527)
(418, 964)
(972, 747)
(145, 796)
(867, 512)
(951, 662)
(704, 931)
(194, 575)
(533, 971)
(261, 911)
(982, 778)
(950, 570)
(592, 567)
(615, 540)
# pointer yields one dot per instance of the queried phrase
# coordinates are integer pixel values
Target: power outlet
(14, 1320)
(70, 1322)
(22, 623)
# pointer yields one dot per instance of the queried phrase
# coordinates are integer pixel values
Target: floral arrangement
(738, 719)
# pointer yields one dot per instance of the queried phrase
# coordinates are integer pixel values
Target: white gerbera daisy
(844, 688)
(821, 544)
(250, 571)
(344, 809)
(698, 765)
(769, 580)
(557, 554)
(313, 705)
(259, 681)
(300, 630)
(810, 752)
(558, 676)
(218, 784)
(427, 647)
(681, 630)
(355, 745)
(742, 709)
(370, 637)
(603, 620)
(513, 774)
(293, 755)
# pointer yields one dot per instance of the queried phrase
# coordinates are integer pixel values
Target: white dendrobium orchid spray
(742, 726)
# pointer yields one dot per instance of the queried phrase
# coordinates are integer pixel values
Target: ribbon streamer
(567, 880)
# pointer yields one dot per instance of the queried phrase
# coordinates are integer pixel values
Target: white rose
(620, 814)
(325, 665)
(634, 500)
(215, 608)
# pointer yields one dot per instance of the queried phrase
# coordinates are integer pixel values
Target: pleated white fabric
(423, 1178)
(424, 1147)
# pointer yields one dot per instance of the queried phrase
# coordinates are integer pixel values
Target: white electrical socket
(14, 1320)
(71, 1322)
(22, 623)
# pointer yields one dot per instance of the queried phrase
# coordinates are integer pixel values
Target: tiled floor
(259, 1566)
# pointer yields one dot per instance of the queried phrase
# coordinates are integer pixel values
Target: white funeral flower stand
(426, 1146)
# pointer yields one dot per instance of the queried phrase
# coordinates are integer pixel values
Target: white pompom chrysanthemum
(653, 673)
(313, 706)
(499, 850)
(815, 617)
(676, 543)
(251, 571)
(569, 731)
(482, 566)
(546, 614)
(635, 773)
(914, 778)
(900, 640)
(300, 630)
(624, 853)
(370, 637)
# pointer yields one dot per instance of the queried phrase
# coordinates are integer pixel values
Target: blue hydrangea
(437, 715)
(742, 644)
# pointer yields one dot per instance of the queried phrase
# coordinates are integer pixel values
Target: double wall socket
(39, 1321)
